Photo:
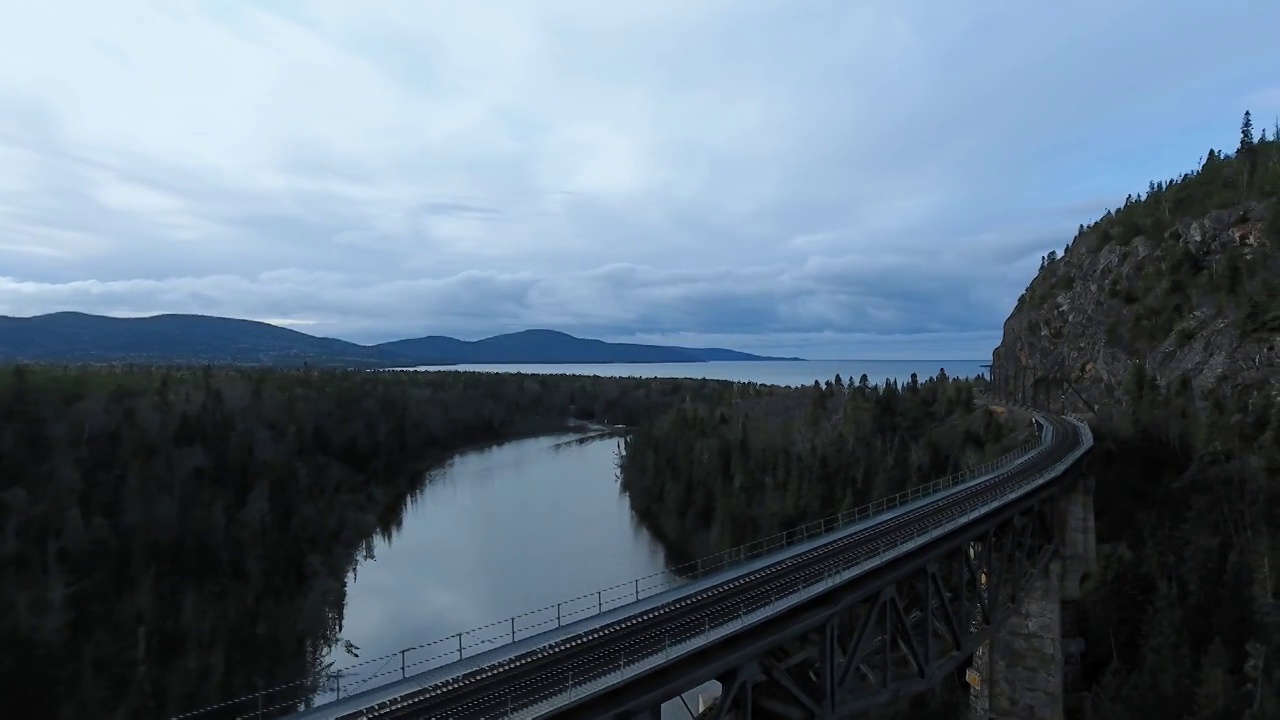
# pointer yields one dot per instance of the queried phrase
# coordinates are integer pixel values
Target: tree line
(171, 538)
(711, 476)
(1242, 278)
(1222, 179)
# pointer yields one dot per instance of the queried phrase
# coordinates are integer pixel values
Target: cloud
(858, 295)
(734, 170)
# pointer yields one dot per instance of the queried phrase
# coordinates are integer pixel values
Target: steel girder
(877, 647)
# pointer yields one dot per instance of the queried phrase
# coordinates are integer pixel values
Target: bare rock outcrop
(1201, 302)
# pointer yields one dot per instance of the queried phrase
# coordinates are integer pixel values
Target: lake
(527, 524)
(802, 372)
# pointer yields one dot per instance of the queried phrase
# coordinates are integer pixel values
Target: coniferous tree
(145, 512)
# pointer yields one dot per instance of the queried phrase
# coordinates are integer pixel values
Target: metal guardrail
(555, 687)
(461, 645)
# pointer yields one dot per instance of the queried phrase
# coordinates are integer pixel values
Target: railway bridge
(825, 621)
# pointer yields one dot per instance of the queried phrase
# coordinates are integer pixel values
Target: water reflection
(496, 532)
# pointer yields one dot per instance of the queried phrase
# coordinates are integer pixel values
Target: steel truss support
(877, 647)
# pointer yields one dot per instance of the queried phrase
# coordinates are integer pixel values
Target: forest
(171, 538)
(708, 477)
(1181, 620)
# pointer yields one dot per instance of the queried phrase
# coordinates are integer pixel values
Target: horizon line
(284, 324)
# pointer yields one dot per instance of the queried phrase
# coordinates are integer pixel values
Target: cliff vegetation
(1162, 320)
(1183, 279)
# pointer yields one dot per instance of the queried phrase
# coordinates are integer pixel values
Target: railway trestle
(879, 641)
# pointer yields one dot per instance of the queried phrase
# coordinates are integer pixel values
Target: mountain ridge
(206, 339)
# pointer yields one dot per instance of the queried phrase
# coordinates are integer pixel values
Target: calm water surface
(508, 529)
(769, 372)
(495, 533)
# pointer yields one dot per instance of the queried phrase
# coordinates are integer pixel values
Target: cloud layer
(733, 172)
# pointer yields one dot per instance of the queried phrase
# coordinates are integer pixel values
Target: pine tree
(1246, 133)
(1215, 684)
(1248, 152)
(1160, 681)
(1108, 695)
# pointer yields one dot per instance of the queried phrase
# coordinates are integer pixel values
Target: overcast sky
(832, 178)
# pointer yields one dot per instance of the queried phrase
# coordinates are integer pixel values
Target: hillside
(549, 346)
(79, 337)
(1183, 281)
(1162, 319)
(184, 339)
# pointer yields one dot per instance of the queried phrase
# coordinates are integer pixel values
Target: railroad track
(530, 683)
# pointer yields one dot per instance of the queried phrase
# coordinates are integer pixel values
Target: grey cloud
(857, 173)
(839, 295)
(460, 209)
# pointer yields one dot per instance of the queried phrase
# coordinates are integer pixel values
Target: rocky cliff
(1165, 315)
(1191, 298)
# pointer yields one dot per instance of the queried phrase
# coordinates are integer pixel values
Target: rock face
(1026, 657)
(1202, 301)
(1030, 670)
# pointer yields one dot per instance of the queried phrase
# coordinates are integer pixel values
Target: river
(525, 525)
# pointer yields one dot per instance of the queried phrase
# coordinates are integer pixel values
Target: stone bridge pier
(1031, 669)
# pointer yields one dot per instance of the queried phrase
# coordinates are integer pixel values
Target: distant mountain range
(73, 337)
